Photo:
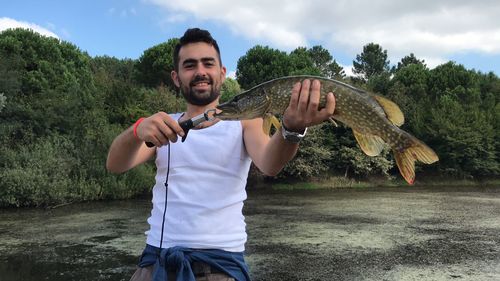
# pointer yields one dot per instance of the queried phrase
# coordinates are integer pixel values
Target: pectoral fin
(392, 110)
(270, 120)
(370, 144)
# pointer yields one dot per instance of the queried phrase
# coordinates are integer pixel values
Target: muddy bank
(385, 234)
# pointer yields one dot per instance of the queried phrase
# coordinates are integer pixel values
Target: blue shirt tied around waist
(179, 259)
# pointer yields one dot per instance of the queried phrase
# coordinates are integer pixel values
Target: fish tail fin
(405, 159)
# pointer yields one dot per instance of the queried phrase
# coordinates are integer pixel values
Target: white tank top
(206, 190)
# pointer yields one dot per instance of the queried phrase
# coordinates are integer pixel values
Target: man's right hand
(159, 129)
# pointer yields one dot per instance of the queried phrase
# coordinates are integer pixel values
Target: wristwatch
(291, 136)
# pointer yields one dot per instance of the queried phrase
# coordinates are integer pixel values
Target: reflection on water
(90, 241)
(386, 234)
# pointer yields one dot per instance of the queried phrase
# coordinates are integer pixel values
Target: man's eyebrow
(205, 59)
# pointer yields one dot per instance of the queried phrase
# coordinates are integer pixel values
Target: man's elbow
(114, 169)
(271, 172)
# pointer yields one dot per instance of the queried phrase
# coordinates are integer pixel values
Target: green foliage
(311, 158)
(38, 173)
(47, 80)
(466, 150)
(302, 63)
(347, 157)
(324, 62)
(260, 64)
(229, 89)
(372, 61)
(155, 65)
(3, 100)
(409, 60)
(55, 129)
(60, 110)
(448, 77)
(160, 99)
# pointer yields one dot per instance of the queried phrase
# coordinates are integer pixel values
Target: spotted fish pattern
(374, 119)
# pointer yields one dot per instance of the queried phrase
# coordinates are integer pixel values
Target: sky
(466, 32)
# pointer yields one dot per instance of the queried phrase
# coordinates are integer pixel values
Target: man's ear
(175, 78)
(223, 74)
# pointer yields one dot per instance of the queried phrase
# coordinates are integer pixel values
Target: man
(197, 229)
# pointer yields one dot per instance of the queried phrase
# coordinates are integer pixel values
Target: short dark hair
(194, 35)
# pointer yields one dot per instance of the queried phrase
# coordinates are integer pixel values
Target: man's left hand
(303, 110)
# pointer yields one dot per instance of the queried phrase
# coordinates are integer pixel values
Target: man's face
(200, 74)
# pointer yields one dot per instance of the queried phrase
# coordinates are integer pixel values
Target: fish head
(247, 105)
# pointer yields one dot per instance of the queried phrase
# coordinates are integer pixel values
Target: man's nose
(201, 69)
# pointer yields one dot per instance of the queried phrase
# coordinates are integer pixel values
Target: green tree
(52, 80)
(408, 60)
(302, 63)
(115, 85)
(465, 150)
(348, 159)
(155, 65)
(462, 121)
(448, 76)
(372, 61)
(408, 89)
(312, 158)
(229, 89)
(261, 64)
(323, 60)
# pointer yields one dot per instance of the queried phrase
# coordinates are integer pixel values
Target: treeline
(60, 109)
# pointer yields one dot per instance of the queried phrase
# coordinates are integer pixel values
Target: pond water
(413, 233)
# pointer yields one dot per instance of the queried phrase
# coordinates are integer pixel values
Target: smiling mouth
(203, 83)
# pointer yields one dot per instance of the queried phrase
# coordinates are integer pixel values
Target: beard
(197, 97)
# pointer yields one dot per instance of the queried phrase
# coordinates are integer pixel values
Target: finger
(168, 133)
(314, 96)
(304, 95)
(294, 99)
(330, 104)
(172, 125)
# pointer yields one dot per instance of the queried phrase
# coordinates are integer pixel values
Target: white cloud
(348, 70)
(7, 23)
(231, 74)
(432, 29)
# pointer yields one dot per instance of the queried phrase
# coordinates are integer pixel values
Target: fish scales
(373, 119)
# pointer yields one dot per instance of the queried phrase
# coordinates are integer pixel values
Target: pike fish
(374, 119)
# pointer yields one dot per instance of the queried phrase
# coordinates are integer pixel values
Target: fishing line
(166, 193)
(166, 197)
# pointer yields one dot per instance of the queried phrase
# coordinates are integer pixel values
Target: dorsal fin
(370, 144)
(391, 109)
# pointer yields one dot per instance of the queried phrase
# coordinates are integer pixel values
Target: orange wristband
(136, 124)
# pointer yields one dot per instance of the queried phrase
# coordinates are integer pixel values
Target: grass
(342, 182)
(331, 183)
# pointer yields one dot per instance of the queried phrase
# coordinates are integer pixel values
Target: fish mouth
(228, 112)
